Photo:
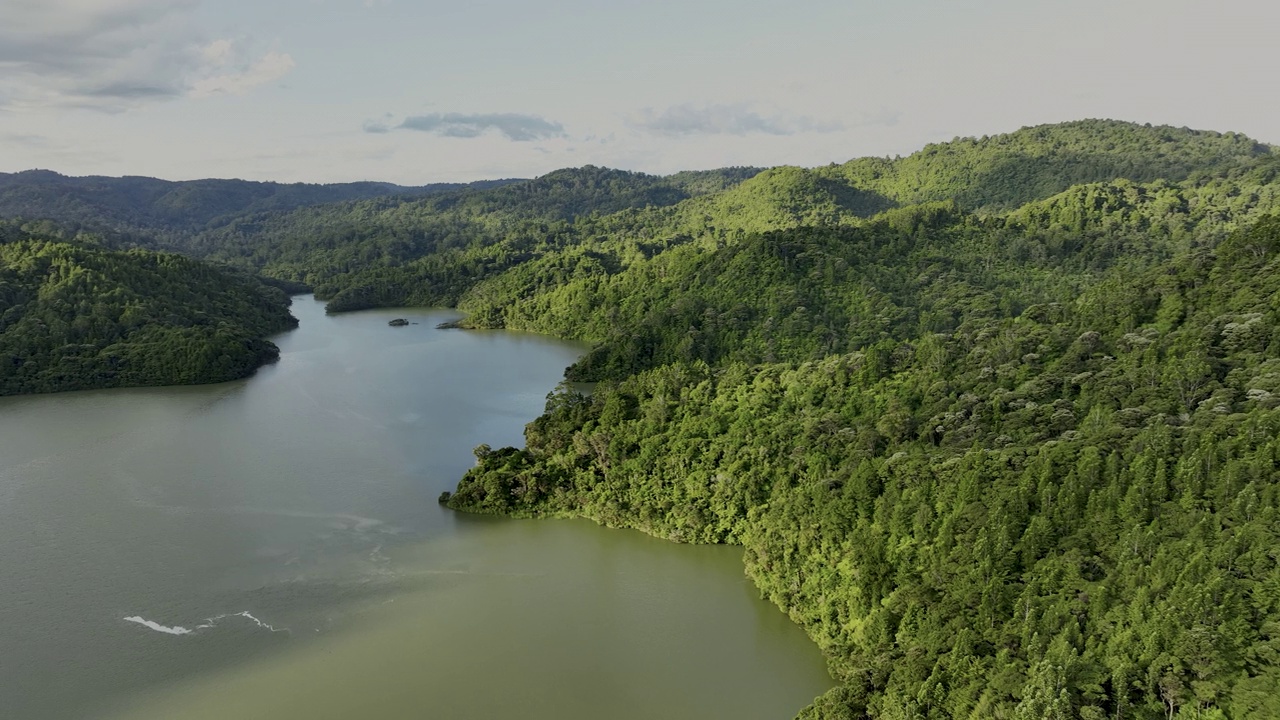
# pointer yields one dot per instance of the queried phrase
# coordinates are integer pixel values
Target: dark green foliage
(74, 316)
(439, 248)
(159, 211)
(395, 251)
(1069, 509)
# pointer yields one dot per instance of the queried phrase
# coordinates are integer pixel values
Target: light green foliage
(1045, 511)
(1006, 171)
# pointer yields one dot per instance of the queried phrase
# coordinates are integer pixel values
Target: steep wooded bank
(1064, 510)
(75, 316)
(999, 458)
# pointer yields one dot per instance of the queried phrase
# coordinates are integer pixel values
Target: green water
(272, 548)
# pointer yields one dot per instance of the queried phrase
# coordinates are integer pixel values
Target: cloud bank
(247, 76)
(115, 54)
(513, 126)
(740, 119)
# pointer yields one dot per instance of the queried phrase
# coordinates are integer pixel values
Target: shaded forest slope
(76, 316)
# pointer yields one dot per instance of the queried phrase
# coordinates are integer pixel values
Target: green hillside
(74, 316)
(371, 244)
(1001, 459)
(1003, 171)
(155, 211)
(816, 290)
(427, 251)
(433, 250)
(1067, 509)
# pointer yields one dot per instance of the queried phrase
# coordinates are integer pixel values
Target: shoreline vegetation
(75, 316)
(996, 423)
(1067, 513)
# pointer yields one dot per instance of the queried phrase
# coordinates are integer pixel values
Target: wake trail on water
(339, 521)
(206, 624)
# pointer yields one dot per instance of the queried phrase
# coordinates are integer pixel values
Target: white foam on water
(260, 623)
(208, 623)
(175, 630)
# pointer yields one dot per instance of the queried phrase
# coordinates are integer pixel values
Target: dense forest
(428, 251)
(488, 250)
(1001, 455)
(150, 211)
(1065, 510)
(996, 423)
(75, 316)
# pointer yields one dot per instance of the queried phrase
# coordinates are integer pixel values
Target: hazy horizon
(329, 91)
(465, 181)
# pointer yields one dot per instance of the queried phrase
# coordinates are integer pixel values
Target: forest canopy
(75, 316)
(1057, 509)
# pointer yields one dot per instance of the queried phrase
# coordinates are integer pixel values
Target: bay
(272, 548)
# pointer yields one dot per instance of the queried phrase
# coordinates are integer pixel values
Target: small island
(398, 322)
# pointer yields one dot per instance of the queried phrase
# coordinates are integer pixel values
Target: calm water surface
(272, 548)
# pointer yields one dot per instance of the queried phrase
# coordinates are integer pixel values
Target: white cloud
(115, 54)
(268, 68)
(218, 53)
(736, 119)
(82, 19)
(517, 127)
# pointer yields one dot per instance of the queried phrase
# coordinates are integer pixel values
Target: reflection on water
(272, 548)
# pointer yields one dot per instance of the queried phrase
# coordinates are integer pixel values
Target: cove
(272, 548)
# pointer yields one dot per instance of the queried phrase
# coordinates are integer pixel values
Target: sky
(415, 92)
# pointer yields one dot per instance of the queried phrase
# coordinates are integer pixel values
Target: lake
(272, 548)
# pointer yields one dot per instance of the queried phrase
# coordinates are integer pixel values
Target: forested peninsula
(1064, 511)
(75, 316)
(996, 423)
(1007, 453)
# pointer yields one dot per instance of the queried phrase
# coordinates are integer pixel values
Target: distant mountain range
(153, 207)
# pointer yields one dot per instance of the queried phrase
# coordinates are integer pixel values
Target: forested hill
(1000, 457)
(75, 316)
(164, 211)
(1002, 495)
(380, 246)
(780, 267)
(436, 247)
(436, 250)
(1004, 171)
(399, 229)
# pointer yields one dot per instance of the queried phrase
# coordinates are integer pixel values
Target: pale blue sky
(416, 92)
